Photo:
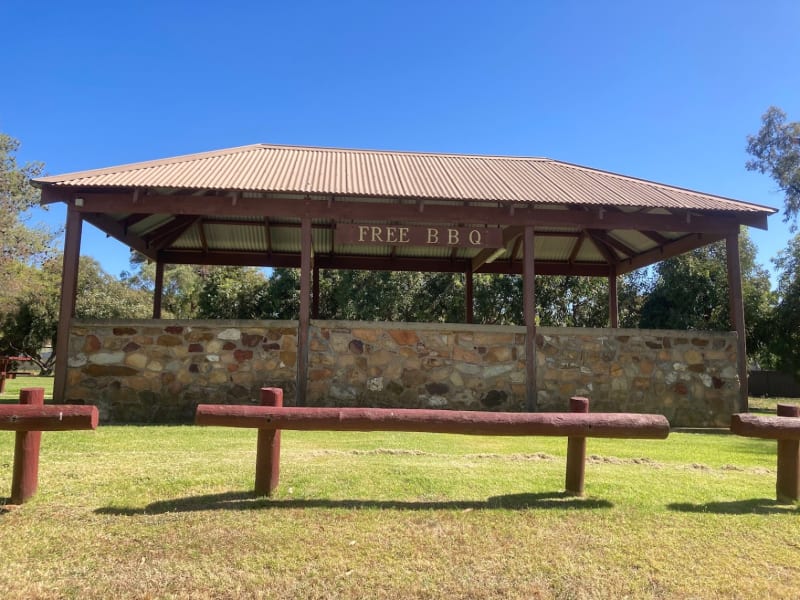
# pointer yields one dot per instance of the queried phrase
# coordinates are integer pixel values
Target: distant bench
(787, 432)
(271, 417)
(29, 418)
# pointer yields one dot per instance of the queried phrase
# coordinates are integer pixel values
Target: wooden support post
(306, 259)
(529, 309)
(268, 449)
(576, 452)
(788, 483)
(613, 300)
(25, 478)
(69, 287)
(737, 313)
(315, 294)
(469, 288)
(158, 290)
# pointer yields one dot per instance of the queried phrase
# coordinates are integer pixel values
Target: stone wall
(160, 370)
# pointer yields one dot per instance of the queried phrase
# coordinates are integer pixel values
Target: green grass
(166, 512)
(13, 386)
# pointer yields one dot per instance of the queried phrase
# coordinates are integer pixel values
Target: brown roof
(385, 174)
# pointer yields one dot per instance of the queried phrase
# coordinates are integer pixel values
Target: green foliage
(776, 151)
(785, 329)
(233, 293)
(33, 322)
(21, 245)
(283, 301)
(180, 287)
(691, 292)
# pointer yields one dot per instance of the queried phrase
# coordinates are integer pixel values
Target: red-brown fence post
(25, 477)
(787, 487)
(268, 449)
(576, 452)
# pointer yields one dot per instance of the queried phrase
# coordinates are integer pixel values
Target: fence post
(25, 477)
(268, 448)
(576, 452)
(787, 487)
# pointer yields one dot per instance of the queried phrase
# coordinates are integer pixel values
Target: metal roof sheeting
(399, 175)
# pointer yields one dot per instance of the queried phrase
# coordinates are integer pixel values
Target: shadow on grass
(755, 506)
(249, 501)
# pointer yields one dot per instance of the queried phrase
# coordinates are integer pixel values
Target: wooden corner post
(69, 288)
(737, 313)
(268, 448)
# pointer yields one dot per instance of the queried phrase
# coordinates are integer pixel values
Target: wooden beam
(116, 230)
(509, 234)
(606, 252)
(656, 237)
(158, 292)
(465, 422)
(315, 292)
(434, 213)
(469, 301)
(529, 311)
(132, 219)
(267, 235)
(202, 232)
(673, 248)
(737, 314)
(306, 258)
(69, 288)
(577, 247)
(368, 263)
(165, 235)
(612, 242)
(613, 301)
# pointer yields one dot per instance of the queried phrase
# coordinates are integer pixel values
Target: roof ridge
(398, 152)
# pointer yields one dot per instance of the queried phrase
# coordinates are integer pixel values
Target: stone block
(468, 356)
(289, 359)
(404, 337)
(137, 360)
(102, 370)
(231, 334)
(497, 354)
(169, 340)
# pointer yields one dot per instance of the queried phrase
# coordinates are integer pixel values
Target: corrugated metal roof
(373, 173)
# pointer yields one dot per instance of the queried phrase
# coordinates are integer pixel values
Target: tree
(785, 326)
(33, 323)
(691, 292)
(234, 293)
(181, 285)
(776, 151)
(21, 245)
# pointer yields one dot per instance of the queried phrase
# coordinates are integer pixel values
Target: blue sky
(666, 91)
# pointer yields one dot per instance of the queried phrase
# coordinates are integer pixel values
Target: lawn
(166, 512)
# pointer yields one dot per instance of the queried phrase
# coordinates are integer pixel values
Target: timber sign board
(407, 235)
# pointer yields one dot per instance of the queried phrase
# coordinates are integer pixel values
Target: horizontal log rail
(29, 418)
(271, 417)
(600, 425)
(787, 432)
(767, 428)
(53, 417)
